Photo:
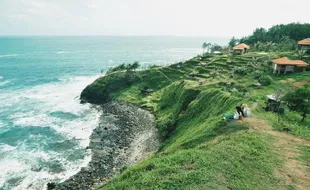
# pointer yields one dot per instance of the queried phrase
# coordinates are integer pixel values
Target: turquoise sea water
(43, 129)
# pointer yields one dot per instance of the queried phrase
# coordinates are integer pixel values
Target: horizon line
(107, 35)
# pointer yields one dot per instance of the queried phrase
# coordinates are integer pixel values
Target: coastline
(124, 136)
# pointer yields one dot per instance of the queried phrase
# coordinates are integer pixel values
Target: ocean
(44, 130)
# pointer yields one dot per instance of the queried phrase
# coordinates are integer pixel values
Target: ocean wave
(1, 77)
(4, 83)
(9, 55)
(71, 52)
(6, 148)
(36, 169)
(33, 110)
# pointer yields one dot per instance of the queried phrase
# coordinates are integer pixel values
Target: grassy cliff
(198, 149)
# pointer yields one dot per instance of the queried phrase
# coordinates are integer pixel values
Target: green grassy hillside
(199, 150)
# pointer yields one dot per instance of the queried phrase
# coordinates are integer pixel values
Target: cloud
(19, 18)
(151, 17)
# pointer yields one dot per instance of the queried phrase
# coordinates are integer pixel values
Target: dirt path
(294, 171)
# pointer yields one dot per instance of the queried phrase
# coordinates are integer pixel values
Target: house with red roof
(241, 48)
(304, 43)
(284, 65)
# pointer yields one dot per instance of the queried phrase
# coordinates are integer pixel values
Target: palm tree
(205, 46)
(270, 45)
(301, 53)
(257, 45)
(285, 39)
(135, 65)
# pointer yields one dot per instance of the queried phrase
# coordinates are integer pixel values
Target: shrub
(265, 80)
(240, 70)
(241, 88)
(257, 74)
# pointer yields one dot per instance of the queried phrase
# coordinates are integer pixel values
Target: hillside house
(304, 43)
(241, 48)
(284, 65)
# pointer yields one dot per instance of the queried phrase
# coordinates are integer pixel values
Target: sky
(147, 17)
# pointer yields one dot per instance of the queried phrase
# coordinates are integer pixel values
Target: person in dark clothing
(240, 111)
(238, 114)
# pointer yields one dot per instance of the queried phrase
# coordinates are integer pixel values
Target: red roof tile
(304, 42)
(287, 61)
(242, 46)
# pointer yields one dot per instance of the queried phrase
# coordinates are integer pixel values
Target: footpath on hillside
(294, 170)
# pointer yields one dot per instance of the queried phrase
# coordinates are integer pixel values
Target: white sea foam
(6, 148)
(3, 83)
(9, 55)
(1, 77)
(71, 52)
(32, 107)
(10, 167)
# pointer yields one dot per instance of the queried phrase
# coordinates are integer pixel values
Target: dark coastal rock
(123, 137)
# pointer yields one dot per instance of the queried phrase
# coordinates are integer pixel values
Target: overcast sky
(147, 17)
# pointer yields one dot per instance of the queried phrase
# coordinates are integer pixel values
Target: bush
(241, 87)
(265, 80)
(257, 74)
(240, 70)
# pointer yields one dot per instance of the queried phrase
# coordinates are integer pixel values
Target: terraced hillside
(201, 151)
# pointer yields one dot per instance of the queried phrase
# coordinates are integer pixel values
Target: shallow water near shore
(44, 131)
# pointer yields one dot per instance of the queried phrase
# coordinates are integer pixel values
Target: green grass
(238, 161)
(290, 120)
(198, 150)
(305, 156)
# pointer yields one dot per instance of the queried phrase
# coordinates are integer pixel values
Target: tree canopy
(279, 33)
(128, 67)
(232, 42)
(299, 101)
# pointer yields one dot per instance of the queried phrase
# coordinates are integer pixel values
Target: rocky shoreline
(125, 135)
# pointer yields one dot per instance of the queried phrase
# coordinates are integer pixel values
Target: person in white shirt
(246, 110)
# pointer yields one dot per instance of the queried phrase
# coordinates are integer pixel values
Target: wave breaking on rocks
(125, 135)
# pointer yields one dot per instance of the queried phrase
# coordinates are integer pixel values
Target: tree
(205, 46)
(232, 42)
(135, 65)
(299, 101)
(215, 47)
(301, 53)
(279, 34)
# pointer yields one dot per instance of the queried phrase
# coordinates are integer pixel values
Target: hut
(284, 65)
(241, 48)
(304, 43)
